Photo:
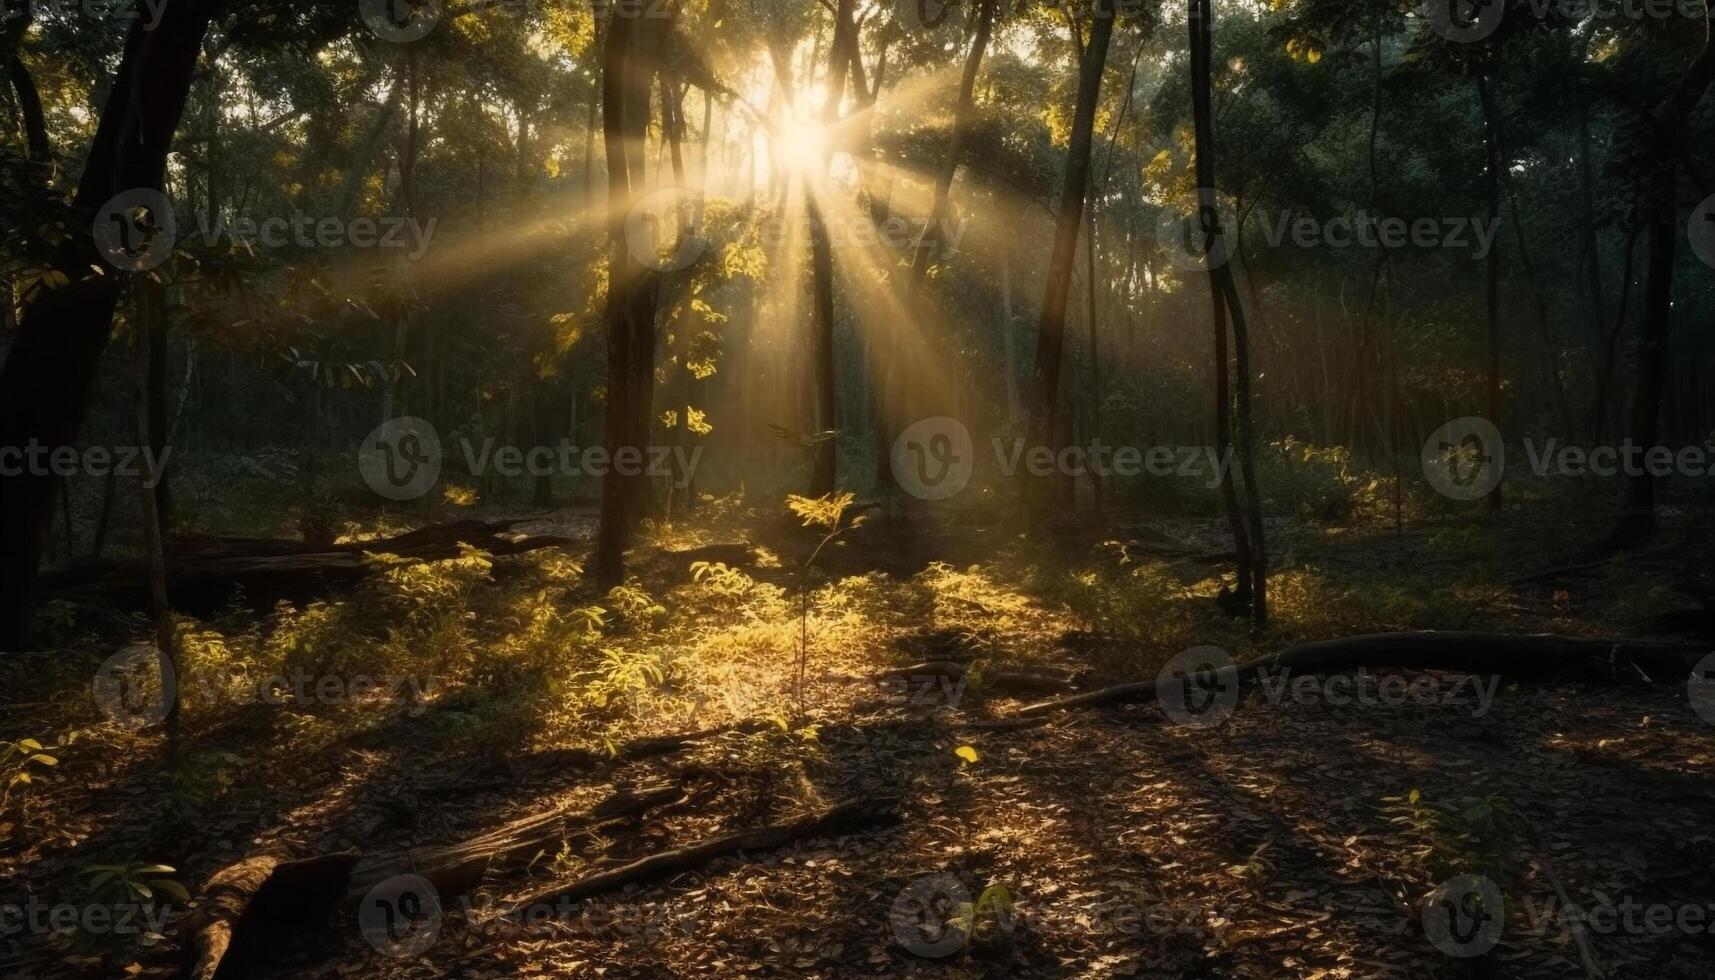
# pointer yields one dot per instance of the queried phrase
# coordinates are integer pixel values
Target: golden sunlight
(804, 147)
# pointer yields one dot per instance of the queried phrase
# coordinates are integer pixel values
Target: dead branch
(850, 813)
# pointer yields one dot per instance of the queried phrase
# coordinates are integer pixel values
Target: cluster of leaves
(16, 762)
(1478, 835)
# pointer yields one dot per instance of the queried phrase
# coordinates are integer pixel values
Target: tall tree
(1068, 220)
(46, 380)
(825, 460)
(629, 56)
(1246, 522)
(929, 241)
(1663, 129)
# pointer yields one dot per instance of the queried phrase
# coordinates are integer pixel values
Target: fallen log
(457, 868)
(1531, 657)
(841, 815)
(248, 909)
(205, 572)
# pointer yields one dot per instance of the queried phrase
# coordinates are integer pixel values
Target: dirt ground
(1301, 836)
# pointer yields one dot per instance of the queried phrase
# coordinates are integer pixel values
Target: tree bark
(53, 360)
(825, 449)
(628, 64)
(1664, 128)
(1492, 292)
(1246, 522)
(1068, 220)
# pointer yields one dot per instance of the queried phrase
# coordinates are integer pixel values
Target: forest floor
(1298, 838)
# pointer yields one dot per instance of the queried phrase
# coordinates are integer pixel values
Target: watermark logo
(135, 231)
(1701, 231)
(1198, 687)
(1701, 689)
(1465, 458)
(928, 916)
(1463, 917)
(1202, 240)
(933, 458)
(401, 917)
(1464, 21)
(670, 216)
(135, 687)
(401, 458)
(400, 21)
(922, 15)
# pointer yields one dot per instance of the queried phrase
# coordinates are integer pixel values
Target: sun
(804, 147)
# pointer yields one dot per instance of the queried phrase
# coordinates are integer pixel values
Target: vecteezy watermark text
(1205, 237)
(402, 916)
(934, 459)
(309, 231)
(570, 459)
(1466, 233)
(894, 232)
(1470, 21)
(138, 687)
(35, 459)
(35, 917)
(1201, 687)
(401, 459)
(935, 916)
(1466, 458)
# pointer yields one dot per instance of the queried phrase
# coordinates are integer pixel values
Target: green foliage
(1477, 835)
(826, 514)
(145, 886)
(16, 762)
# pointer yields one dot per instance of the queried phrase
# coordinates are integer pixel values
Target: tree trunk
(30, 107)
(628, 64)
(934, 230)
(148, 434)
(53, 359)
(1599, 412)
(546, 418)
(1665, 125)
(825, 460)
(1051, 332)
(1222, 296)
(17, 74)
(360, 161)
(1014, 410)
(1492, 294)
(1095, 403)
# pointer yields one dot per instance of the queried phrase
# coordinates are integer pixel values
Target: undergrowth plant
(826, 514)
(16, 760)
(1478, 835)
(126, 889)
